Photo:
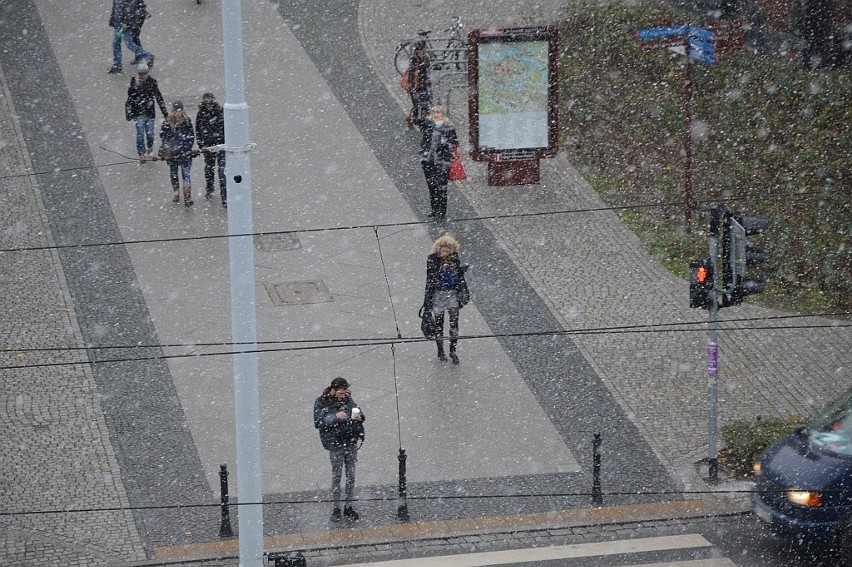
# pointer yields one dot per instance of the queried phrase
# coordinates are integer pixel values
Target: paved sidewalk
(331, 152)
(594, 273)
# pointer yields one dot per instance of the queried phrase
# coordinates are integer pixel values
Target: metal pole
(687, 141)
(243, 316)
(225, 529)
(716, 214)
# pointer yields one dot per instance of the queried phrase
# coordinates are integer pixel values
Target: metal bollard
(597, 496)
(402, 499)
(225, 526)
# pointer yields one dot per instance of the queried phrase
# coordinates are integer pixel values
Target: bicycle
(443, 51)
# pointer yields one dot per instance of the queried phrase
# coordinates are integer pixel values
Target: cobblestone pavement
(587, 269)
(55, 444)
(594, 273)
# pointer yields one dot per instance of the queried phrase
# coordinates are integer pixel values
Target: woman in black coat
(446, 290)
(178, 137)
(437, 145)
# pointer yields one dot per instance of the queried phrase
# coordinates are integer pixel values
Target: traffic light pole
(716, 217)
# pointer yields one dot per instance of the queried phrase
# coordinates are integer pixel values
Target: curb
(452, 529)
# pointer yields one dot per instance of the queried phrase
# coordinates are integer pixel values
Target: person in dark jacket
(210, 131)
(419, 84)
(446, 290)
(142, 93)
(340, 424)
(178, 137)
(121, 19)
(437, 144)
(138, 14)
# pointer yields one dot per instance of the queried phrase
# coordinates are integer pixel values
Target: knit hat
(142, 68)
(177, 105)
(208, 97)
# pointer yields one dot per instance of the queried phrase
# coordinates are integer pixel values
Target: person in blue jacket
(340, 423)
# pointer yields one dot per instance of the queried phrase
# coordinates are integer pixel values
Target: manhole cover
(276, 242)
(298, 293)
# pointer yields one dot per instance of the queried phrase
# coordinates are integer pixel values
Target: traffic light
(738, 255)
(701, 284)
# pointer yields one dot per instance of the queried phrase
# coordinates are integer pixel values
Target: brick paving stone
(56, 446)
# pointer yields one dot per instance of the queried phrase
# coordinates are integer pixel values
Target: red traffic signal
(701, 284)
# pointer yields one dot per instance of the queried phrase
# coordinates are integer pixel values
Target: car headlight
(755, 468)
(805, 497)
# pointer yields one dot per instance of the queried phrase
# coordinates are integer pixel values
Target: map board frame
(492, 40)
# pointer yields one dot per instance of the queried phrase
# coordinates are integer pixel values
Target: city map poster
(513, 94)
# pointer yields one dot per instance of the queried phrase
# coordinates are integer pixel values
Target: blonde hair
(447, 241)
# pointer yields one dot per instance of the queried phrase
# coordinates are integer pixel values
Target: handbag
(456, 172)
(128, 110)
(164, 153)
(427, 324)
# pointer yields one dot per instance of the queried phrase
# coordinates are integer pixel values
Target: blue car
(804, 482)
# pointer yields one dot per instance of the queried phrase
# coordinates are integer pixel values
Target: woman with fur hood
(446, 290)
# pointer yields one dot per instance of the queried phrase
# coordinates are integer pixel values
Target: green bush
(747, 439)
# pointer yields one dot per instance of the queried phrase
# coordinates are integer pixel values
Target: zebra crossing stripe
(624, 546)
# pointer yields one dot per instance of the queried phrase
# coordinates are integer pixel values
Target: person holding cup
(340, 423)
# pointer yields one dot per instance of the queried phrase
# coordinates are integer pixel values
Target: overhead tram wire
(438, 497)
(479, 218)
(589, 330)
(365, 342)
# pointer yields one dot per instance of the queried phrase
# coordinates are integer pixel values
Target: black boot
(441, 356)
(453, 356)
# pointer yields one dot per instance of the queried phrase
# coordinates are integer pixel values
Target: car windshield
(832, 431)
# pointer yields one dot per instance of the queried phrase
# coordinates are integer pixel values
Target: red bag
(403, 82)
(456, 167)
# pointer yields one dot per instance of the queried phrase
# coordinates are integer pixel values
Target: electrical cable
(589, 330)
(408, 340)
(478, 218)
(438, 497)
(392, 346)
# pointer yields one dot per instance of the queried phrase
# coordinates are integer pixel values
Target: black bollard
(597, 497)
(402, 499)
(225, 527)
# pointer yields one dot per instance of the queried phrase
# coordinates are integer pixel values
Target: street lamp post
(243, 315)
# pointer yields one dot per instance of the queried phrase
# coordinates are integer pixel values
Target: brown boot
(187, 195)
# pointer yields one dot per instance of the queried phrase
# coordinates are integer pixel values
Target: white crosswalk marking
(626, 546)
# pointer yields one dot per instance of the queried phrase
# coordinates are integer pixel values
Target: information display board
(513, 100)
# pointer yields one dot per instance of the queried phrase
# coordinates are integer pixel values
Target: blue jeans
(144, 132)
(131, 45)
(184, 164)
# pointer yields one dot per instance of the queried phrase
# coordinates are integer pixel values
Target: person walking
(446, 290)
(210, 131)
(120, 20)
(178, 137)
(142, 93)
(138, 14)
(437, 144)
(419, 84)
(340, 423)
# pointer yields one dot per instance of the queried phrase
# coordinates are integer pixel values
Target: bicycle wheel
(403, 56)
(458, 58)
